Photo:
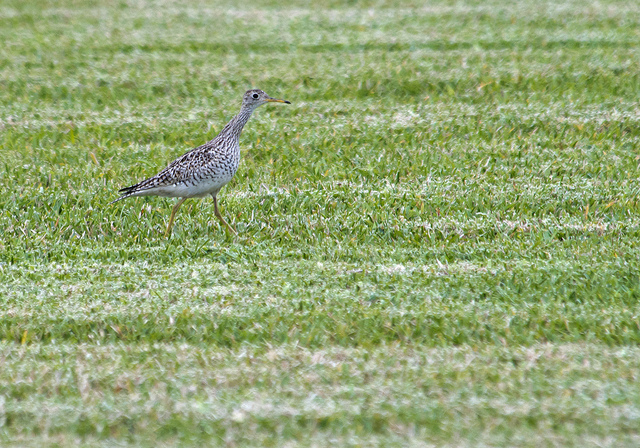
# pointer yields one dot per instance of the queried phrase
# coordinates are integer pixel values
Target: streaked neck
(234, 127)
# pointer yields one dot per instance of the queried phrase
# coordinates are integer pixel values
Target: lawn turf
(437, 238)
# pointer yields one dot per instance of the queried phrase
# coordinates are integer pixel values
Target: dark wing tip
(126, 190)
(125, 193)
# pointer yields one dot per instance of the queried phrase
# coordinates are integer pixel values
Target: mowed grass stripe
(364, 304)
(434, 395)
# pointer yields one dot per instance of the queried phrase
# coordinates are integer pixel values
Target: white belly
(197, 189)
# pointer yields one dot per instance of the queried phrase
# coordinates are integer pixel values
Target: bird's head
(256, 97)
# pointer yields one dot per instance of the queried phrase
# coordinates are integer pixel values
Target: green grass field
(437, 238)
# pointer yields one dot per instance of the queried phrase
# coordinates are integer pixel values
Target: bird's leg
(173, 215)
(219, 216)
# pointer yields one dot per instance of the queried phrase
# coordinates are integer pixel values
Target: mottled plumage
(206, 169)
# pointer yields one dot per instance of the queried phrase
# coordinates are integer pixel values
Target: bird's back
(197, 173)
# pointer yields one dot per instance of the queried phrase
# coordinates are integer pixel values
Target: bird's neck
(233, 129)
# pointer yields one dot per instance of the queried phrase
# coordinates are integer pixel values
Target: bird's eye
(255, 95)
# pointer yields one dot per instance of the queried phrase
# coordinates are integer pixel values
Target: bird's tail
(119, 199)
(125, 193)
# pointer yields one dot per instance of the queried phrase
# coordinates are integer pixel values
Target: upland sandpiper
(206, 169)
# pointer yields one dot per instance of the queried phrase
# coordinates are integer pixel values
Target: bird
(203, 170)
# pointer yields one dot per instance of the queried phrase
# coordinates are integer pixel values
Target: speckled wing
(186, 169)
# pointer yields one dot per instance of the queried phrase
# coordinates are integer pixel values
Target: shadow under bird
(206, 169)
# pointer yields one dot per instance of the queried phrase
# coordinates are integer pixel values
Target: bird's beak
(273, 100)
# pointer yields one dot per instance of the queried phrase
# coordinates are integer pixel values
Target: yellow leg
(219, 216)
(173, 215)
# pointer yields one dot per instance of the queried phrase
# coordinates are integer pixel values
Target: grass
(437, 238)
